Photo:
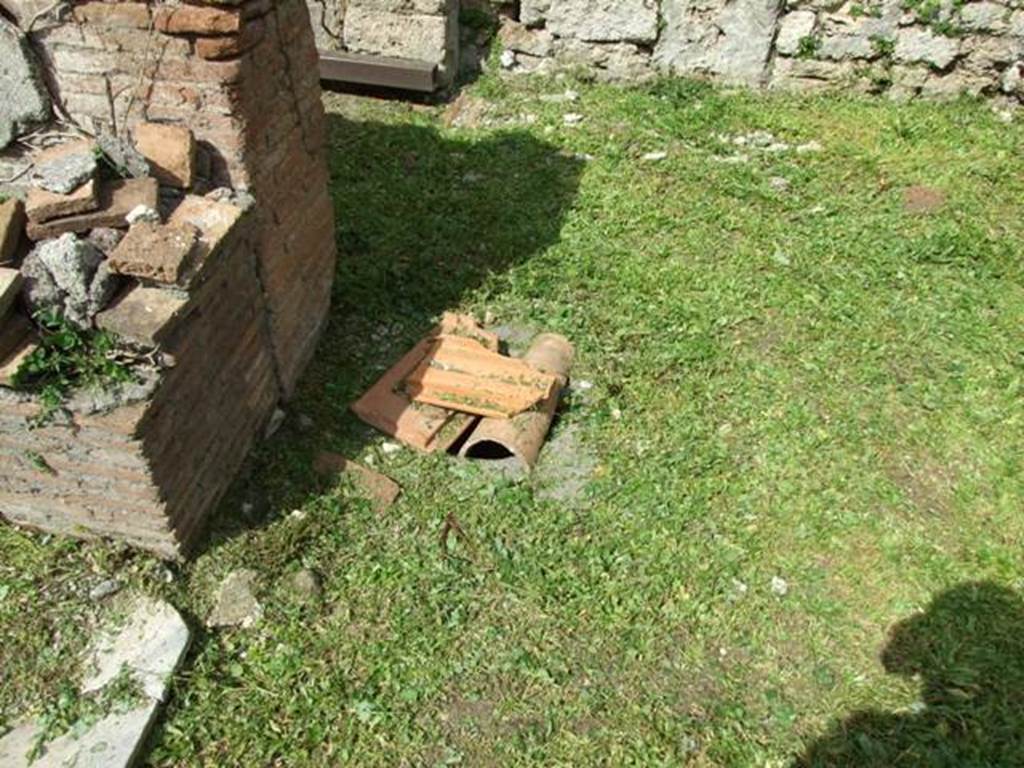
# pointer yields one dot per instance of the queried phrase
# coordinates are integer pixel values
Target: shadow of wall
(423, 220)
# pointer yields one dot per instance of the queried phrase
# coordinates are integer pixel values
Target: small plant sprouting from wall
(68, 358)
(860, 10)
(808, 47)
(884, 47)
(930, 12)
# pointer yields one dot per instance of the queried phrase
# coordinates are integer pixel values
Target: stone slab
(41, 205)
(151, 644)
(25, 102)
(116, 201)
(422, 36)
(143, 315)
(65, 167)
(116, 741)
(170, 151)
(598, 21)
(12, 224)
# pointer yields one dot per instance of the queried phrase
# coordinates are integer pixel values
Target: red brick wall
(149, 472)
(256, 114)
(245, 81)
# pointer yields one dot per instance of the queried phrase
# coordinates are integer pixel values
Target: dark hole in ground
(488, 449)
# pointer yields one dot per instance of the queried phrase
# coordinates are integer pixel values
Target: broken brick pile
(190, 217)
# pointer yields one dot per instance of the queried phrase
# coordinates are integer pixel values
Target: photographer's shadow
(967, 650)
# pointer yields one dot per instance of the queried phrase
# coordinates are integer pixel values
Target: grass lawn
(783, 525)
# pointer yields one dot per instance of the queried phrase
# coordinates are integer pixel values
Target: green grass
(811, 385)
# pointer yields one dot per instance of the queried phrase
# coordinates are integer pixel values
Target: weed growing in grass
(70, 710)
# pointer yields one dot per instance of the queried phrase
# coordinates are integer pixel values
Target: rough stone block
(811, 74)
(984, 17)
(394, 34)
(64, 275)
(113, 15)
(116, 201)
(144, 315)
(915, 45)
(12, 224)
(793, 28)
(42, 205)
(729, 40)
(159, 252)
(25, 102)
(170, 150)
(517, 37)
(609, 21)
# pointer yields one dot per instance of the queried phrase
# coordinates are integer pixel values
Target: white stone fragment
(142, 213)
(150, 646)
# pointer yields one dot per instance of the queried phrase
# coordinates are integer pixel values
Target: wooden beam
(403, 74)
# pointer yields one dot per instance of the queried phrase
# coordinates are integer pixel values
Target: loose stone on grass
(306, 586)
(104, 589)
(236, 604)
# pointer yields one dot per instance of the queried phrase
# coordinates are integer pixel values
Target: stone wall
(905, 47)
(147, 462)
(426, 30)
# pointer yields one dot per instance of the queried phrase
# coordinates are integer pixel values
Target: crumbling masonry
(223, 103)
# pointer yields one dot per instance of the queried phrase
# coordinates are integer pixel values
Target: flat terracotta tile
(380, 488)
(424, 427)
(461, 374)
